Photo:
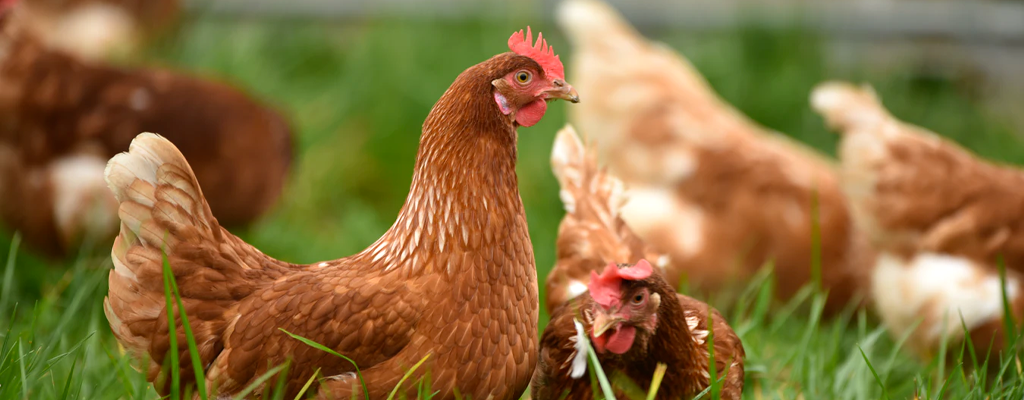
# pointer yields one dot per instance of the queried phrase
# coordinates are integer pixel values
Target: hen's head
(531, 75)
(625, 306)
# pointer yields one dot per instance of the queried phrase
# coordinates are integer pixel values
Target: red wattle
(621, 339)
(531, 113)
(599, 342)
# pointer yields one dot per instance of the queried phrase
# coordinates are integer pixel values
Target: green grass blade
(21, 365)
(323, 348)
(172, 335)
(659, 374)
(625, 386)
(122, 372)
(942, 389)
(1009, 325)
(12, 255)
(602, 379)
(259, 381)
(67, 384)
(406, 376)
(193, 350)
(55, 359)
(281, 383)
(309, 383)
(881, 385)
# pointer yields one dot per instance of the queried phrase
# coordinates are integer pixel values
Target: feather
(579, 357)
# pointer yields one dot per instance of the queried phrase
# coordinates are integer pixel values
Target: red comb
(539, 52)
(605, 288)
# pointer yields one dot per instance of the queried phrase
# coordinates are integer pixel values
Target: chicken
(719, 194)
(63, 118)
(592, 233)
(453, 281)
(96, 29)
(636, 321)
(593, 236)
(941, 217)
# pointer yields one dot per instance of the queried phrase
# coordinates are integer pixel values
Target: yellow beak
(603, 322)
(563, 90)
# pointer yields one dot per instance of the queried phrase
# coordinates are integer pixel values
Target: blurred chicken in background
(718, 193)
(941, 217)
(62, 118)
(95, 29)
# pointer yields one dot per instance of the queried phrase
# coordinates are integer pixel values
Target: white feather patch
(650, 210)
(92, 31)
(82, 204)
(939, 289)
(576, 288)
(579, 358)
(663, 261)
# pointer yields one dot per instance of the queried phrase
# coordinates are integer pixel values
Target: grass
(358, 93)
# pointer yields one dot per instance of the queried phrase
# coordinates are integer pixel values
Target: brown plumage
(63, 118)
(719, 194)
(453, 280)
(670, 329)
(97, 29)
(591, 233)
(591, 236)
(941, 216)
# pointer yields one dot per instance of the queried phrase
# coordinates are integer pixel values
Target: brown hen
(636, 321)
(592, 233)
(64, 118)
(453, 281)
(941, 216)
(719, 194)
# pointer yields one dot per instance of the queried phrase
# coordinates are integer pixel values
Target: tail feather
(582, 181)
(163, 211)
(592, 233)
(846, 106)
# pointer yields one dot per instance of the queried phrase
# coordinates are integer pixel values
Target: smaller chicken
(637, 321)
(96, 29)
(592, 232)
(941, 217)
(61, 118)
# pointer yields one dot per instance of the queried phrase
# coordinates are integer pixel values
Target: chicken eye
(638, 299)
(523, 77)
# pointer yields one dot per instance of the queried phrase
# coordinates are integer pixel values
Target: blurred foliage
(358, 92)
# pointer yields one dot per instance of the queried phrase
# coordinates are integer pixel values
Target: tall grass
(358, 95)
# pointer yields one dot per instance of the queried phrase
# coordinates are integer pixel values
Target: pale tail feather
(161, 209)
(846, 106)
(582, 180)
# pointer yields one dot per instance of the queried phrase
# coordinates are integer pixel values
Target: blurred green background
(357, 92)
